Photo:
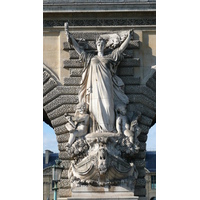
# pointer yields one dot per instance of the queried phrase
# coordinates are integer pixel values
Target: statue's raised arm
(126, 41)
(71, 40)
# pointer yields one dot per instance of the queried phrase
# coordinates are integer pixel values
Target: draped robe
(101, 87)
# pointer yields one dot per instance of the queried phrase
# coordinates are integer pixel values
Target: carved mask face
(116, 42)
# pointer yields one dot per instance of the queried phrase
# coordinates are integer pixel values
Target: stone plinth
(101, 193)
(100, 198)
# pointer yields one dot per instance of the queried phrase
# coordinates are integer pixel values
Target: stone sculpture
(121, 119)
(100, 86)
(102, 155)
(78, 126)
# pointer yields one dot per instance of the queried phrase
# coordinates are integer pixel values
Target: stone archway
(59, 99)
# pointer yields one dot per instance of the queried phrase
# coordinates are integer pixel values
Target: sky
(50, 143)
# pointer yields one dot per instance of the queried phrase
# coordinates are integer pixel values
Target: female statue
(101, 89)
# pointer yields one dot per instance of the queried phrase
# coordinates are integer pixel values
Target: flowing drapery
(101, 88)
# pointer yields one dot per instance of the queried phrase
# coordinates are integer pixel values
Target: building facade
(62, 73)
(48, 161)
(151, 175)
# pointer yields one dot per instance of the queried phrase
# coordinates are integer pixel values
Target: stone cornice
(67, 6)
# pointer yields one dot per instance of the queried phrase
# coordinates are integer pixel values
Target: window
(153, 182)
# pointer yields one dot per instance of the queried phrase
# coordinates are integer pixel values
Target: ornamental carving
(101, 22)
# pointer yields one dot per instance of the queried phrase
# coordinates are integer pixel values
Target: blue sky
(50, 143)
(49, 139)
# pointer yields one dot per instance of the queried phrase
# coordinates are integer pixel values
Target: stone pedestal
(101, 193)
(102, 198)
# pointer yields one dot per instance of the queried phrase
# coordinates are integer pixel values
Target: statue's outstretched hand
(66, 28)
(67, 32)
(131, 31)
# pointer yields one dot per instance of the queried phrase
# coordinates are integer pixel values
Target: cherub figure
(136, 130)
(121, 118)
(77, 125)
(132, 131)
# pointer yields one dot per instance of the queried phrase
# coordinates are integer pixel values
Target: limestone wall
(54, 53)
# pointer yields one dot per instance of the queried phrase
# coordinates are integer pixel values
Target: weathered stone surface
(152, 84)
(142, 138)
(59, 121)
(145, 120)
(142, 146)
(128, 62)
(138, 107)
(62, 146)
(63, 99)
(86, 45)
(47, 171)
(72, 63)
(64, 192)
(74, 55)
(65, 108)
(143, 100)
(49, 85)
(121, 71)
(145, 129)
(141, 173)
(65, 183)
(130, 80)
(141, 154)
(74, 81)
(64, 173)
(143, 198)
(51, 95)
(140, 191)
(140, 163)
(46, 76)
(133, 44)
(62, 138)
(60, 90)
(137, 89)
(64, 155)
(69, 89)
(125, 71)
(105, 22)
(60, 130)
(141, 182)
(90, 36)
(75, 72)
(66, 164)
(154, 75)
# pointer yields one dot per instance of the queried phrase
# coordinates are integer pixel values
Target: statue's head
(121, 109)
(101, 44)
